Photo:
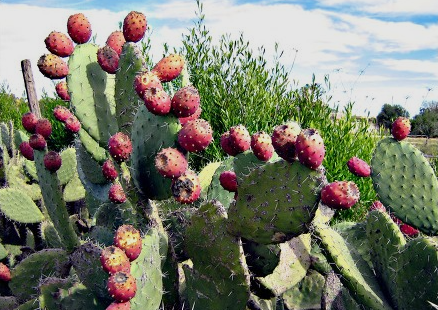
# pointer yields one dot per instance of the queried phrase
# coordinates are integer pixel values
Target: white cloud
(325, 42)
(388, 7)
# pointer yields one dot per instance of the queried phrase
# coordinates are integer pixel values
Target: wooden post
(29, 84)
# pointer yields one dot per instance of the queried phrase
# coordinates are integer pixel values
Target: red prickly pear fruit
(79, 28)
(128, 238)
(228, 180)
(196, 115)
(37, 142)
(240, 138)
(169, 67)
(134, 26)
(377, 205)
(146, 80)
(62, 91)
(5, 273)
(26, 150)
(340, 194)
(114, 259)
(310, 148)
(261, 145)
(401, 128)
(196, 135)
(43, 127)
(61, 113)
(122, 286)
(119, 306)
(186, 101)
(284, 138)
(52, 161)
(72, 124)
(108, 59)
(227, 145)
(116, 194)
(116, 40)
(29, 121)
(109, 170)
(186, 188)
(52, 66)
(359, 167)
(59, 44)
(171, 163)
(157, 101)
(408, 230)
(120, 146)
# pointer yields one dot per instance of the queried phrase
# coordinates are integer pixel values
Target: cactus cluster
(249, 232)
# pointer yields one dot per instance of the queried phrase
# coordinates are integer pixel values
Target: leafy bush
(237, 86)
(11, 107)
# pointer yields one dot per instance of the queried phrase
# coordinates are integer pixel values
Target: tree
(426, 122)
(389, 113)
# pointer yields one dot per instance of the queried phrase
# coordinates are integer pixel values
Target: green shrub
(11, 107)
(237, 86)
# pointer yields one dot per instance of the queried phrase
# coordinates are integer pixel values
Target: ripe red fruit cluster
(340, 194)
(359, 167)
(401, 128)
(116, 260)
(5, 273)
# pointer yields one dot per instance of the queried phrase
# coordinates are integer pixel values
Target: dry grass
(427, 146)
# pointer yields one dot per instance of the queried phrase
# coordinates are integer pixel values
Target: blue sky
(374, 51)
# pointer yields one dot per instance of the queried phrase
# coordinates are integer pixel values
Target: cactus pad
(276, 202)
(18, 206)
(406, 184)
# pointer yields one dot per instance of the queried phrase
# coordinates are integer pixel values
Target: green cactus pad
(29, 305)
(257, 303)
(4, 135)
(261, 258)
(204, 293)
(68, 167)
(55, 205)
(385, 241)
(151, 133)
(92, 93)
(215, 190)
(50, 235)
(356, 274)
(90, 174)
(74, 190)
(216, 249)
(17, 180)
(355, 234)
(335, 296)
(27, 274)
(8, 302)
(86, 263)
(127, 100)
(292, 267)
(406, 184)
(18, 206)
(276, 202)
(206, 176)
(306, 294)
(30, 169)
(147, 271)
(102, 235)
(93, 148)
(49, 292)
(3, 252)
(417, 274)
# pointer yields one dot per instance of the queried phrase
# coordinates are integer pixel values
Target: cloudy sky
(374, 51)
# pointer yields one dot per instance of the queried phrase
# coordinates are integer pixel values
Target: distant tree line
(424, 123)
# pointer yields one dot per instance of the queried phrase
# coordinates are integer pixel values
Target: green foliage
(11, 107)
(389, 113)
(426, 122)
(60, 138)
(236, 84)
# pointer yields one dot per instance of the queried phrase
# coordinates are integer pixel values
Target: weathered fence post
(29, 84)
